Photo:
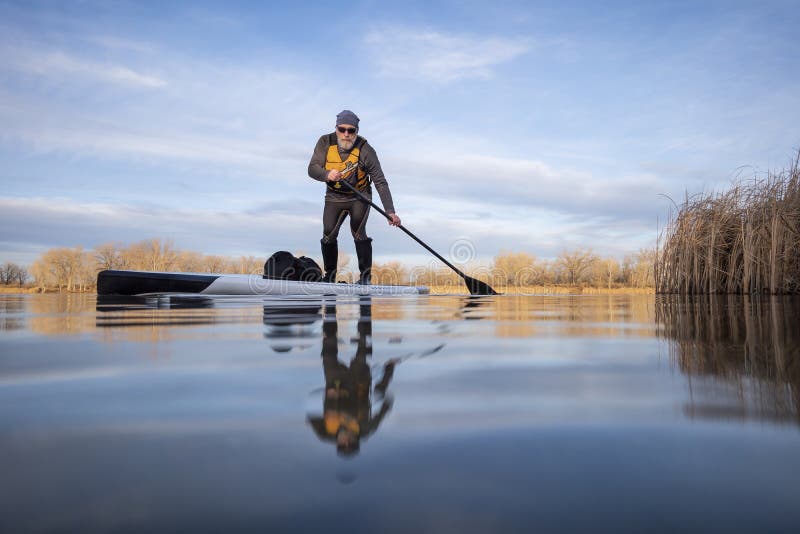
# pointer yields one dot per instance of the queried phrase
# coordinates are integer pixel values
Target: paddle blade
(476, 287)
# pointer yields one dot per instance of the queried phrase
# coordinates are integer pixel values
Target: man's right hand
(334, 175)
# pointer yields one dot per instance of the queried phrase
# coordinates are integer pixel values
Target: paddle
(476, 287)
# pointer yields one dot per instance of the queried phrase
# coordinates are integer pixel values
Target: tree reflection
(741, 354)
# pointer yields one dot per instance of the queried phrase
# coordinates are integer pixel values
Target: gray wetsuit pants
(334, 213)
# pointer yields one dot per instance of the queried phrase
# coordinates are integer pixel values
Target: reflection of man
(347, 408)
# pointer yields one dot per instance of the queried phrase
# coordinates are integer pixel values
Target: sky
(536, 127)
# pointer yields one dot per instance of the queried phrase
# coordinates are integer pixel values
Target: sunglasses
(342, 129)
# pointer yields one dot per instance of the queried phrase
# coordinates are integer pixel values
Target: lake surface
(406, 414)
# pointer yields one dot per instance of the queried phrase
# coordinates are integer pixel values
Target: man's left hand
(395, 220)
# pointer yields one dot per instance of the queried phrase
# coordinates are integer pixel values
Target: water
(431, 413)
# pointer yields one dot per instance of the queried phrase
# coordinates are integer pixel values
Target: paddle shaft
(403, 228)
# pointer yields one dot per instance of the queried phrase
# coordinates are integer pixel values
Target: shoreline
(459, 289)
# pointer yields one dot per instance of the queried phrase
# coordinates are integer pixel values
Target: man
(344, 155)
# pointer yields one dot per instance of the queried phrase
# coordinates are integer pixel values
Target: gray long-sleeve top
(369, 160)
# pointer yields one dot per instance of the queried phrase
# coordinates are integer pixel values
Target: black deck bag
(280, 266)
(307, 269)
(284, 266)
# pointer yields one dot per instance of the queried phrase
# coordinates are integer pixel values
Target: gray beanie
(347, 117)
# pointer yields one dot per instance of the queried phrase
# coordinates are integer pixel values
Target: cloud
(113, 42)
(491, 227)
(58, 64)
(89, 135)
(498, 183)
(438, 57)
(208, 112)
(51, 222)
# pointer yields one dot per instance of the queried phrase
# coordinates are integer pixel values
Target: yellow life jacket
(353, 163)
(334, 420)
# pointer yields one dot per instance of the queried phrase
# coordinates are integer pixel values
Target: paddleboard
(116, 282)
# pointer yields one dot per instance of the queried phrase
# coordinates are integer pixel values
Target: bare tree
(22, 276)
(606, 272)
(392, 273)
(109, 256)
(189, 261)
(8, 273)
(642, 273)
(575, 264)
(86, 270)
(11, 273)
(40, 274)
(59, 268)
(60, 265)
(152, 255)
(249, 265)
(432, 275)
(214, 264)
(513, 269)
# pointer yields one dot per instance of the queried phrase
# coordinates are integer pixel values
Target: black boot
(330, 255)
(364, 253)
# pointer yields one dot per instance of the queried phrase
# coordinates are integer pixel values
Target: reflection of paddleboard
(151, 283)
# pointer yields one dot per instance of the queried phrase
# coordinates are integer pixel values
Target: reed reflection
(741, 354)
(353, 408)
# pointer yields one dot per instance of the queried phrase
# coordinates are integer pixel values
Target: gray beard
(344, 145)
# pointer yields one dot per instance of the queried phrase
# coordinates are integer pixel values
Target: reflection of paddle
(422, 354)
(404, 357)
(476, 287)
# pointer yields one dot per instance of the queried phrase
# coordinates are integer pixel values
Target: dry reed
(745, 240)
